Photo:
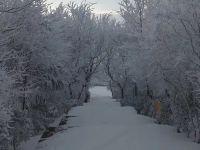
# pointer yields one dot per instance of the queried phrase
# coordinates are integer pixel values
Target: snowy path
(104, 125)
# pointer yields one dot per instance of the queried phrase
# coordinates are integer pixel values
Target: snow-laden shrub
(5, 110)
(5, 138)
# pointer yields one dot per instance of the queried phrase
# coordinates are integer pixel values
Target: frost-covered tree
(82, 38)
(163, 39)
(37, 86)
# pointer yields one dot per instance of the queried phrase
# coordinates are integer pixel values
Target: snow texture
(103, 124)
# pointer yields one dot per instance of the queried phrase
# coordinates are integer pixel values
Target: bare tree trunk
(110, 86)
(122, 92)
(136, 90)
(70, 91)
(24, 94)
(81, 92)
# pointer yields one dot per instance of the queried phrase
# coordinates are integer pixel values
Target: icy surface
(103, 124)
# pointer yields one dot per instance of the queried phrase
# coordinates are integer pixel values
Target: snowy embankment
(103, 124)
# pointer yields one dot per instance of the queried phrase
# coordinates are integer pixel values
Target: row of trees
(48, 58)
(155, 64)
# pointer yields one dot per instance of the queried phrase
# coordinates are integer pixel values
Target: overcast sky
(102, 6)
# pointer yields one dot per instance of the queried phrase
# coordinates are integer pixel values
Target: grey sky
(102, 6)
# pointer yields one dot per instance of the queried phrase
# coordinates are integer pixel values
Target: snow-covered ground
(100, 91)
(103, 124)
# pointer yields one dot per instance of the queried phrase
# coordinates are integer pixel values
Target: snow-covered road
(103, 124)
